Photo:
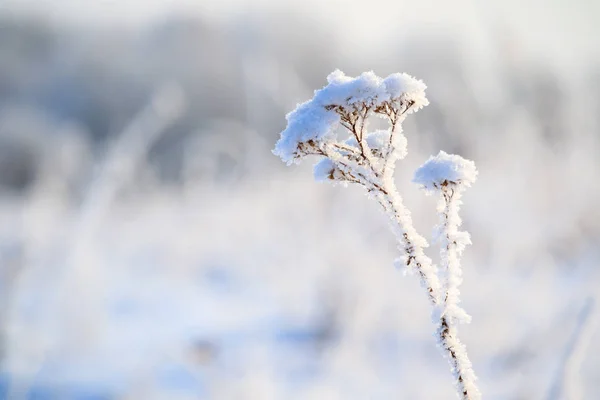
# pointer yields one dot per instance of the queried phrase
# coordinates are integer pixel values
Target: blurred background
(152, 247)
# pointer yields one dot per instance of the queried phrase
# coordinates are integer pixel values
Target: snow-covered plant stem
(368, 159)
(443, 299)
(450, 242)
(448, 176)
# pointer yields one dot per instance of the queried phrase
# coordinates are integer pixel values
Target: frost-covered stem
(452, 243)
(446, 333)
(365, 176)
(391, 156)
(396, 117)
(460, 364)
(356, 123)
(411, 243)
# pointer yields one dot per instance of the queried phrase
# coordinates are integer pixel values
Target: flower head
(445, 170)
(347, 101)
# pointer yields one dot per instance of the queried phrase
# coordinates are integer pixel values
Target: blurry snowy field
(152, 247)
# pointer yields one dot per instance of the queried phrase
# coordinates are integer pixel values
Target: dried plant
(344, 107)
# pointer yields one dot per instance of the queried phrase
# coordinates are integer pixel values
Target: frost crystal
(445, 169)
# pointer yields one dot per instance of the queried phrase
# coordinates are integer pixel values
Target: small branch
(366, 178)
(390, 156)
(363, 121)
(351, 123)
(447, 336)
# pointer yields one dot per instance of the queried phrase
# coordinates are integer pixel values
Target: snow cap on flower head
(315, 121)
(443, 170)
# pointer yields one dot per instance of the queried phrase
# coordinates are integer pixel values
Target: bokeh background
(152, 247)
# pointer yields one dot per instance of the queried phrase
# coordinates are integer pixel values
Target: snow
(404, 86)
(324, 170)
(379, 139)
(346, 91)
(314, 121)
(445, 169)
(305, 123)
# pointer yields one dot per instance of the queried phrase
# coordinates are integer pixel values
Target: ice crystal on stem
(368, 158)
